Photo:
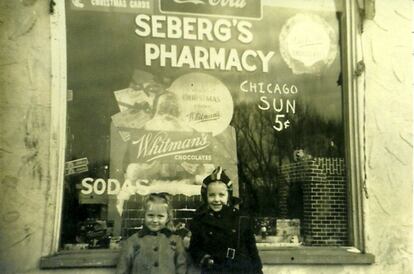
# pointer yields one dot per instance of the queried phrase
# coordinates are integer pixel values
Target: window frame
(353, 109)
(354, 118)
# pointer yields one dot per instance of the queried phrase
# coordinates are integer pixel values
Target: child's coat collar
(228, 216)
(145, 231)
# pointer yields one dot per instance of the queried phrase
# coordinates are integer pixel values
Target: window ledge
(80, 259)
(314, 255)
(269, 256)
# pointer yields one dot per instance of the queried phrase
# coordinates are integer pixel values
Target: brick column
(324, 199)
(326, 206)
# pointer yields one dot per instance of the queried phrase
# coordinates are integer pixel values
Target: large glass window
(162, 92)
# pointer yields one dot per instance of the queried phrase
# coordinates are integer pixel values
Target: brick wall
(324, 199)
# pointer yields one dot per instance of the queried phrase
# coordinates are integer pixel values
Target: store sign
(170, 52)
(76, 166)
(131, 6)
(147, 146)
(234, 8)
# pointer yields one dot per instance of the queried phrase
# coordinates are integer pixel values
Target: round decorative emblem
(205, 103)
(308, 44)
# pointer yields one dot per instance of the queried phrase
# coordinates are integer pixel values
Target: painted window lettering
(192, 28)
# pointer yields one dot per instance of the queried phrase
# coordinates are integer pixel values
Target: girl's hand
(207, 261)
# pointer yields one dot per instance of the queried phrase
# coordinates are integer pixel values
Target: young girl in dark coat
(222, 241)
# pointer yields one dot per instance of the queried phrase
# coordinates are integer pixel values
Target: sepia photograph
(206, 136)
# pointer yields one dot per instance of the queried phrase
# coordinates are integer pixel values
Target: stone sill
(269, 256)
(314, 255)
(80, 259)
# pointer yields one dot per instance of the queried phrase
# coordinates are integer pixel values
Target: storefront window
(162, 92)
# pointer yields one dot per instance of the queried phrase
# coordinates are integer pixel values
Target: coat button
(156, 264)
(156, 248)
(210, 233)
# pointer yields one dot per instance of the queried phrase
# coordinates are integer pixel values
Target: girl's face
(156, 216)
(217, 195)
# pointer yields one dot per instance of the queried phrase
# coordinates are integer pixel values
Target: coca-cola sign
(147, 146)
(234, 8)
